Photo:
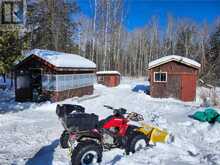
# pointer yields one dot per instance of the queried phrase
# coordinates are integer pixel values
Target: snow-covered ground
(29, 132)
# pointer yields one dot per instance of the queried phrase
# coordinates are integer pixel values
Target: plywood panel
(174, 86)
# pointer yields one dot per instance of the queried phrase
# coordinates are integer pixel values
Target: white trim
(160, 81)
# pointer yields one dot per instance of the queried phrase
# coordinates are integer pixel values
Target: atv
(87, 137)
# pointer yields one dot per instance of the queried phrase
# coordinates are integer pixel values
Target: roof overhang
(51, 65)
(180, 59)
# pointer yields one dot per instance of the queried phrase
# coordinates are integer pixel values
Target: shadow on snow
(115, 160)
(45, 155)
(9, 105)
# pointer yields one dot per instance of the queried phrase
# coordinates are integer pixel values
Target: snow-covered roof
(60, 59)
(108, 72)
(169, 58)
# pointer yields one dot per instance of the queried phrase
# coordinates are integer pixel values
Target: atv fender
(90, 135)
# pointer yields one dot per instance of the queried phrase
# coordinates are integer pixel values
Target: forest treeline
(59, 25)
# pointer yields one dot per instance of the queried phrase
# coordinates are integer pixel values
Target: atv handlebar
(119, 111)
(108, 107)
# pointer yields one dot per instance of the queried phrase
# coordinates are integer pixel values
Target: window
(160, 76)
(66, 81)
(52, 83)
(49, 82)
(101, 78)
(12, 12)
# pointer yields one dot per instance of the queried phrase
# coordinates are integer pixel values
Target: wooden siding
(62, 95)
(174, 85)
(110, 80)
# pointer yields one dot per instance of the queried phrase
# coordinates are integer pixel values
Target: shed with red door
(173, 76)
(108, 78)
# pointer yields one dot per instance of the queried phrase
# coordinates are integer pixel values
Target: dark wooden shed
(108, 78)
(55, 76)
(173, 76)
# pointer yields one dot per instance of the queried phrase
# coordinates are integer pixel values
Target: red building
(108, 78)
(51, 75)
(173, 76)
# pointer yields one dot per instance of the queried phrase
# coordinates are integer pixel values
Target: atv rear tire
(86, 153)
(136, 142)
(64, 139)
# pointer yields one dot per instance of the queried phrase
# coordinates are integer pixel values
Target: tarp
(142, 87)
(201, 116)
(209, 115)
(218, 119)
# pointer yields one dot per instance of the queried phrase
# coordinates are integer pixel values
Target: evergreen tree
(51, 25)
(213, 57)
(11, 45)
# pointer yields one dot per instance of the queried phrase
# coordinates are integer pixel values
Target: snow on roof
(169, 58)
(60, 59)
(108, 72)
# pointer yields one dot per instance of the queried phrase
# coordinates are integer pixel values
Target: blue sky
(139, 12)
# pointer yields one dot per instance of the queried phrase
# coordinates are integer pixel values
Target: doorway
(36, 85)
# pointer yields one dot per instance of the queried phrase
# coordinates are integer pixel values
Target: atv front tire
(136, 142)
(64, 139)
(86, 153)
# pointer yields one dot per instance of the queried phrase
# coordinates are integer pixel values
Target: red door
(112, 80)
(188, 87)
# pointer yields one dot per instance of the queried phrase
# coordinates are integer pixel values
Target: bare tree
(105, 40)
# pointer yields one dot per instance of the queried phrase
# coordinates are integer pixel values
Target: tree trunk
(4, 77)
(12, 78)
(94, 31)
(106, 37)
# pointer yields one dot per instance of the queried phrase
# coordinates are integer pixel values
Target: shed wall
(174, 86)
(62, 95)
(110, 80)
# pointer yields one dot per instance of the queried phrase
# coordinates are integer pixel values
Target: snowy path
(30, 136)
